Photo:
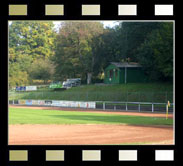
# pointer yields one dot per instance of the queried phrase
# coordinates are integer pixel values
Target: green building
(119, 73)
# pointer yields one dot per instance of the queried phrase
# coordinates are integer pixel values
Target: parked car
(55, 85)
(67, 84)
(71, 83)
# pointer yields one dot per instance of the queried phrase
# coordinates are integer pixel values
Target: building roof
(126, 64)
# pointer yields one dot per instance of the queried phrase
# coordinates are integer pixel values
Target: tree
(74, 55)
(132, 35)
(42, 70)
(156, 53)
(16, 76)
(105, 49)
(28, 42)
(32, 38)
(148, 43)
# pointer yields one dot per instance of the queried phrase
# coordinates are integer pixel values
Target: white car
(71, 83)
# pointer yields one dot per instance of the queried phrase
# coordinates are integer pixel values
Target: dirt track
(91, 134)
(88, 134)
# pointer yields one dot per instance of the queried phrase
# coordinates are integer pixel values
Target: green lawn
(133, 92)
(30, 116)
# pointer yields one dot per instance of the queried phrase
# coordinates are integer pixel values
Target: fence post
(103, 105)
(152, 107)
(13, 102)
(126, 107)
(139, 106)
(165, 107)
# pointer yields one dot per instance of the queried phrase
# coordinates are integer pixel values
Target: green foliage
(28, 42)
(33, 38)
(74, 55)
(106, 49)
(16, 76)
(42, 70)
(148, 43)
(156, 53)
(82, 49)
(132, 35)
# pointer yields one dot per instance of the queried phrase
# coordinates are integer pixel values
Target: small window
(111, 73)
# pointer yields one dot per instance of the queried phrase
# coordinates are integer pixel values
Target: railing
(102, 105)
(134, 106)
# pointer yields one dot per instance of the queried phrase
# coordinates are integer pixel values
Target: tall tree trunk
(89, 76)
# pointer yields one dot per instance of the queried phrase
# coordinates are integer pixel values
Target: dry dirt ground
(91, 134)
(87, 134)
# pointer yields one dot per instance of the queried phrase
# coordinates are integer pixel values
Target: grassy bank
(149, 92)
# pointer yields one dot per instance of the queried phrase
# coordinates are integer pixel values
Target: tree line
(84, 49)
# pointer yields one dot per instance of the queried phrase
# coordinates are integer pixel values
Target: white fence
(55, 103)
(135, 106)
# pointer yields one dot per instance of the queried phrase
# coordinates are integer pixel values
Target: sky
(110, 23)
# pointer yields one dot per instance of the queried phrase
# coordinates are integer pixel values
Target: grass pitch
(36, 116)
